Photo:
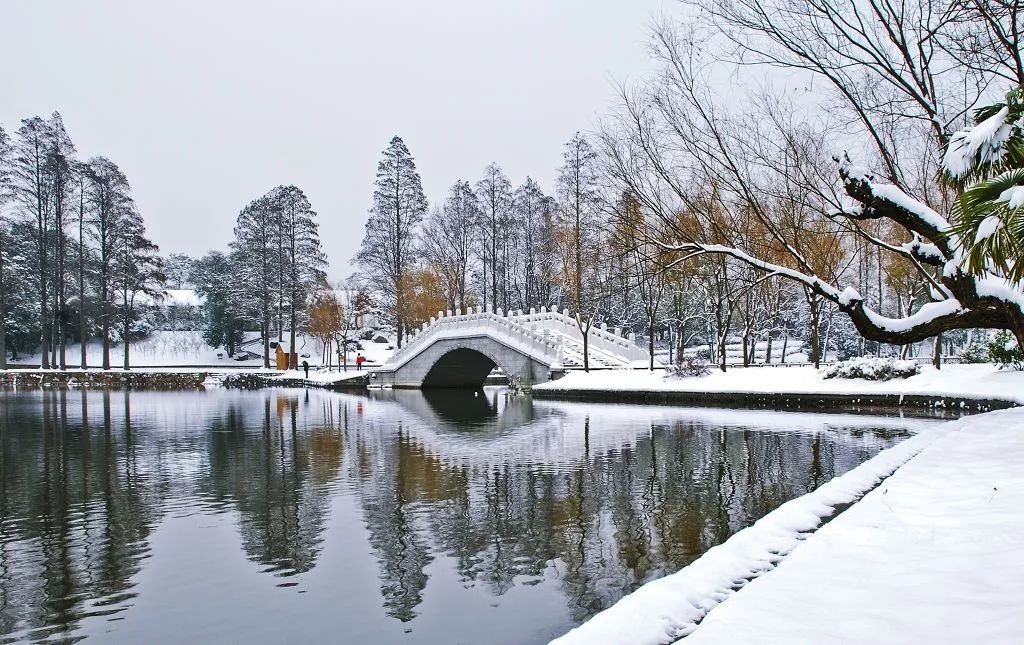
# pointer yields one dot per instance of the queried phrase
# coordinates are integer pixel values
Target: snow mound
(872, 369)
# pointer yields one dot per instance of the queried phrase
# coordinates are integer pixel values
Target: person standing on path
(359, 362)
(305, 367)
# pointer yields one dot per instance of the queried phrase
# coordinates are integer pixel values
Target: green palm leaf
(989, 219)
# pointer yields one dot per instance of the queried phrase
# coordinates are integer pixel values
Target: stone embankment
(163, 380)
(101, 379)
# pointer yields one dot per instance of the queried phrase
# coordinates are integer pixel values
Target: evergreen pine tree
(388, 249)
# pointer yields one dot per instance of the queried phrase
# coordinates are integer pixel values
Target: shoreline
(817, 402)
(171, 379)
(953, 392)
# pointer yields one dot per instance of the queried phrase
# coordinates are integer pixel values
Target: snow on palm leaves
(987, 160)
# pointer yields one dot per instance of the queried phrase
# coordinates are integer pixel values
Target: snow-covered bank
(668, 608)
(934, 554)
(967, 381)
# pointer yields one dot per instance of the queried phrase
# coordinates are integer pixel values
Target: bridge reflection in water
(461, 516)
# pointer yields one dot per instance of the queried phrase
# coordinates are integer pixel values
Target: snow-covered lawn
(935, 553)
(159, 348)
(970, 381)
(184, 348)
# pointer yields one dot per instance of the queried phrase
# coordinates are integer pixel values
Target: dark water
(287, 516)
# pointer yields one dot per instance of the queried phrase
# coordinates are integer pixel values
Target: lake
(389, 517)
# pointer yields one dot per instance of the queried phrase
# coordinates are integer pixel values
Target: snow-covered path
(935, 554)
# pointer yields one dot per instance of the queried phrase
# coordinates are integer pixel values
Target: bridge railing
(599, 338)
(445, 326)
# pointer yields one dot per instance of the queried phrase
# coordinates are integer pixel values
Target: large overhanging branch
(887, 201)
(931, 319)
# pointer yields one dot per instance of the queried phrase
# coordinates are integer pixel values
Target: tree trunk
(83, 334)
(815, 346)
(291, 339)
(586, 350)
(747, 347)
(125, 339)
(650, 343)
(3, 310)
(266, 337)
(937, 354)
(105, 327)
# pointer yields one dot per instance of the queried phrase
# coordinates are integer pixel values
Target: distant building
(285, 359)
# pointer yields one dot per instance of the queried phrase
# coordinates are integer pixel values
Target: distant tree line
(76, 264)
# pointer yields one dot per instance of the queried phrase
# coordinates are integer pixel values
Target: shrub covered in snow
(975, 352)
(687, 366)
(872, 369)
(1005, 352)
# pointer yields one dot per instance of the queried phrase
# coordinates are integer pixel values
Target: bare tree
(677, 133)
(448, 241)
(578, 191)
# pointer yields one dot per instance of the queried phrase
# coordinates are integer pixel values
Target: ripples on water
(395, 517)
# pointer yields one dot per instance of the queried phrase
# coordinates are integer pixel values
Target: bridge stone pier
(460, 351)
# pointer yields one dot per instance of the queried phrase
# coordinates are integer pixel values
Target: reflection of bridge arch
(461, 350)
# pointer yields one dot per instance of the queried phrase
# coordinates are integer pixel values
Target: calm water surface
(291, 516)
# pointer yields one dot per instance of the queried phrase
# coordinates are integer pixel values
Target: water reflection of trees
(83, 482)
(278, 476)
(606, 523)
(76, 509)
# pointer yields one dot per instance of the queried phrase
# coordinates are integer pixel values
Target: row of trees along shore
(75, 262)
(846, 176)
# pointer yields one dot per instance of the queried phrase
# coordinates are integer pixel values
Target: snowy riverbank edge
(979, 387)
(933, 555)
(669, 608)
(150, 378)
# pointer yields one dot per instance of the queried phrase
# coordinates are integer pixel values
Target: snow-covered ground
(933, 554)
(184, 348)
(159, 348)
(969, 381)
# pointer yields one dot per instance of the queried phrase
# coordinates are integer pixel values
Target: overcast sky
(207, 105)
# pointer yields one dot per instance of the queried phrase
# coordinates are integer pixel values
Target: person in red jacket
(360, 359)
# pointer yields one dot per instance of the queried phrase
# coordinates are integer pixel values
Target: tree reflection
(278, 478)
(512, 495)
(77, 511)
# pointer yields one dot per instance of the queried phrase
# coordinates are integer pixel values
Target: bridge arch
(460, 351)
(461, 367)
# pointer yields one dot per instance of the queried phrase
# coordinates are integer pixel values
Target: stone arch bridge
(460, 351)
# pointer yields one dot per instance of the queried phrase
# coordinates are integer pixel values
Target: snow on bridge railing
(545, 330)
(426, 333)
(599, 336)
